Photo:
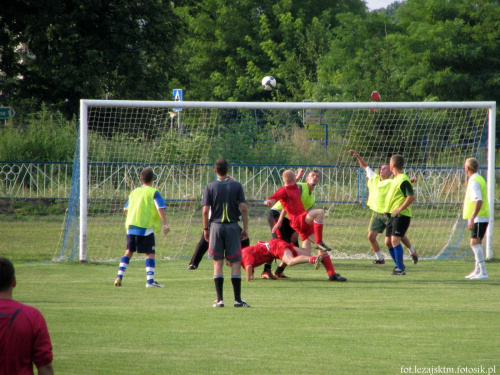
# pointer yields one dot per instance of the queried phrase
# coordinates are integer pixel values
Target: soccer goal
(181, 141)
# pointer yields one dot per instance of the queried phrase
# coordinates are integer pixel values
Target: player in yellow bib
(398, 208)
(145, 210)
(476, 212)
(378, 187)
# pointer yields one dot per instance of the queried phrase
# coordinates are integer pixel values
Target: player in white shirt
(476, 212)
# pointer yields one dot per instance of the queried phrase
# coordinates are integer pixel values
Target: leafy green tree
(360, 60)
(450, 50)
(430, 50)
(59, 52)
(229, 46)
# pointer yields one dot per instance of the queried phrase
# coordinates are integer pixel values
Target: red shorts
(256, 255)
(298, 223)
(278, 247)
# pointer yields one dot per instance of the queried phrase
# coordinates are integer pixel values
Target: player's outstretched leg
(199, 251)
(330, 270)
(318, 236)
(317, 261)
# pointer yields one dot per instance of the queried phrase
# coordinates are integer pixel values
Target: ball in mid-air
(268, 83)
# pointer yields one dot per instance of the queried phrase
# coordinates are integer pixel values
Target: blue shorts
(141, 244)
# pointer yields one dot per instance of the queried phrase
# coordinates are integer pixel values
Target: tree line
(54, 53)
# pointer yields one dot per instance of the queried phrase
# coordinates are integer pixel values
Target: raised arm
(361, 162)
(300, 173)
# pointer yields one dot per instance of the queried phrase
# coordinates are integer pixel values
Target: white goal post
(338, 134)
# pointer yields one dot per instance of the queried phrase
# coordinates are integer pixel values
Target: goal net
(181, 141)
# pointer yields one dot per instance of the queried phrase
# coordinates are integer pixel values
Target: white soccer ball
(268, 83)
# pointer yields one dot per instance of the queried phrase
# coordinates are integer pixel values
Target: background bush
(45, 136)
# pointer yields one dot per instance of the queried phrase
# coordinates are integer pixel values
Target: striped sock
(124, 262)
(150, 270)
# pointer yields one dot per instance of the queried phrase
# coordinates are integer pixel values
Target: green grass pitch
(374, 323)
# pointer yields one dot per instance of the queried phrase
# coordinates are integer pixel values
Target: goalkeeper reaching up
(378, 186)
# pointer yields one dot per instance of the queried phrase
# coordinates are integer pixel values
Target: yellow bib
(395, 196)
(141, 210)
(484, 211)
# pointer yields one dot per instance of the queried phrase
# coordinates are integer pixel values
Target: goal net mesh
(181, 147)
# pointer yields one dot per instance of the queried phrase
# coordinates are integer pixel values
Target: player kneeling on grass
(263, 252)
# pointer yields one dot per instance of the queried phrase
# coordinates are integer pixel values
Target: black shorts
(478, 230)
(286, 231)
(397, 226)
(141, 244)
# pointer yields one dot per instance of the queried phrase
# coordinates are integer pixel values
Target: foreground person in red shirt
(24, 337)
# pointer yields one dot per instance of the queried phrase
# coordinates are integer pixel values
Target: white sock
(379, 255)
(412, 250)
(479, 255)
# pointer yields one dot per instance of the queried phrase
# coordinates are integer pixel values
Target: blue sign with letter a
(177, 97)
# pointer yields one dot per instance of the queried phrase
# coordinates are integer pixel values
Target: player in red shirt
(262, 252)
(309, 224)
(24, 337)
